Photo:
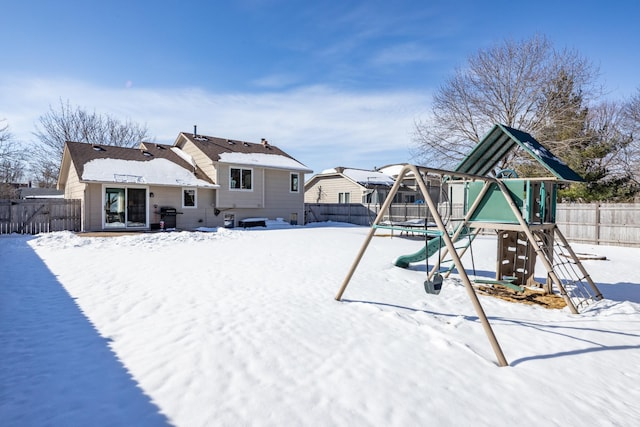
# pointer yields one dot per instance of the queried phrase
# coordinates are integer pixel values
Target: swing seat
(434, 286)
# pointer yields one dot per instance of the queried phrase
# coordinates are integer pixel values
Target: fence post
(597, 224)
(50, 209)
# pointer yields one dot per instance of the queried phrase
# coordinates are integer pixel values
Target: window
(240, 179)
(344, 198)
(189, 198)
(293, 183)
(115, 203)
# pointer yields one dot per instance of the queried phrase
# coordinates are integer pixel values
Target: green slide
(426, 251)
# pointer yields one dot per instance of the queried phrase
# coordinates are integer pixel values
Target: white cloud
(276, 81)
(320, 126)
(403, 54)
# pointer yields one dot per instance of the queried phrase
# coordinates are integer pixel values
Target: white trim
(209, 186)
(125, 188)
(195, 197)
(297, 190)
(240, 168)
(343, 196)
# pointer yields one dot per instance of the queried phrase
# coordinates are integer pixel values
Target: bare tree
(631, 123)
(504, 84)
(67, 123)
(605, 122)
(11, 162)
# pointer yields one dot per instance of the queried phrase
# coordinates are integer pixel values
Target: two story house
(199, 181)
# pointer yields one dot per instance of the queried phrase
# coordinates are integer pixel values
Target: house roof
(362, 177)
(392, 169)
(500, 141)
(150, 164)
(40, 193)
(237, 152)
(367, 177)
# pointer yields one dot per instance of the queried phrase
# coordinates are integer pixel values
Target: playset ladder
(541, 239)
(565, 264)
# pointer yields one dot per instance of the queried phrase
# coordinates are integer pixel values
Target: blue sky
(333, 83)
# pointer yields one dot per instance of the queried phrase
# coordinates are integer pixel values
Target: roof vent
(231, 142)
(265, 143)
(146, 153)
(160, 147)
(246, 144)
(98, 148)
(196, 136)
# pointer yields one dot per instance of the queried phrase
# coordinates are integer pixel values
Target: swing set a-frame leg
(502, 361)
(372, 231)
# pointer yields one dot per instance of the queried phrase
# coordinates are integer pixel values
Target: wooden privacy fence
(600, 223)
(595, 223)
(33, 216)
(364, 214)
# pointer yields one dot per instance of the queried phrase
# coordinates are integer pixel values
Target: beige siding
(326, 189)
(163, 197)
(201, 159)
(240, 199)
(276, 199)
(280, 201)
(74, 189)
(92, 210)
(189, 218)
(203, 215)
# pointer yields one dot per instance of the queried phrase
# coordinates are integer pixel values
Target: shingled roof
(82, 153)
(218, 149)
(500, 141)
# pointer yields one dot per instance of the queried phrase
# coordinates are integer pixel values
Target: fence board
(600, 223)
(33, 216)
(596, 223)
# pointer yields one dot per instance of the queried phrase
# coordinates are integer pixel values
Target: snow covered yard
(240, 327)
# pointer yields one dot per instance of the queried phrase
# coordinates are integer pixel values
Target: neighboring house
(198, 182)
(40, 193)
(413, 194)
(346, 185)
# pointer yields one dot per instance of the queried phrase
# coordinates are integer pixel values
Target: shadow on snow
(558, 329)
(55, 368)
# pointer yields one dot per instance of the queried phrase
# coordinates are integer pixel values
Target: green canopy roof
(500, 141)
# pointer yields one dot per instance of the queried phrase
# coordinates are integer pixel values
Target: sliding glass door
(125, 207)
(136, 207)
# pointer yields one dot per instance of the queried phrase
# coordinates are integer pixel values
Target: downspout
(83, 210)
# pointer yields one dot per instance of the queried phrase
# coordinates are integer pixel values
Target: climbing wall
(516, 258)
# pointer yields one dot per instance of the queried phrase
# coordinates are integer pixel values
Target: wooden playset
(521, 211)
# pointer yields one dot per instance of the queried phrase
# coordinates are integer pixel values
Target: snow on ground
(240, 327)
